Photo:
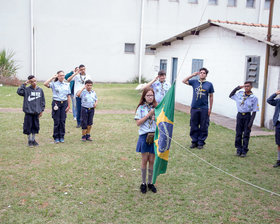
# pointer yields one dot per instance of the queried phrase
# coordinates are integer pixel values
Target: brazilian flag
(164, 114)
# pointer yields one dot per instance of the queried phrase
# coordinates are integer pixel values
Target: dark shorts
(31, 124)
(142, 145)
(86, 117)
(277, 133)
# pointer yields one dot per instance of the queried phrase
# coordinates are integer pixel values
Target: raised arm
(271, 99)
(21, 89)
(47, 83)
(73, 75)
(234, 91)
(186, 80)
(80, 91)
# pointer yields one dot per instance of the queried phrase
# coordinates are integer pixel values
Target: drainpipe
(141, 42)
(266, 63)
(31, 39)
(261, 7)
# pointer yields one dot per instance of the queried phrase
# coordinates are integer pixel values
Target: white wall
(93, 32)
(15, 33)
(224, 55)
(273, 85)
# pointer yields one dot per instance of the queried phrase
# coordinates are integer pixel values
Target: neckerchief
(200, 89)
(245, 96)
(82, 80)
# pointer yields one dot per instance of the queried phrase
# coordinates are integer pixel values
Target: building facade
(108, 36)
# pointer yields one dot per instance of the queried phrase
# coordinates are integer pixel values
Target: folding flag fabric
(164, 114)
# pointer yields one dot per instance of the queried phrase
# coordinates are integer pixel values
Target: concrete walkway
(225, 121)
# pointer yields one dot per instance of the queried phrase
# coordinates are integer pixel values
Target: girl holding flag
(145, 119)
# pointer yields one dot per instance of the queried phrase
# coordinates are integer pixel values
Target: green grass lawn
(98, 182)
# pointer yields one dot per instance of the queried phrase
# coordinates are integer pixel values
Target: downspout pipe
(266, 63)
(141, 42)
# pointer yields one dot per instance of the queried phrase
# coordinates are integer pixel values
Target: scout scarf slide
(244, 98)
(150, 138)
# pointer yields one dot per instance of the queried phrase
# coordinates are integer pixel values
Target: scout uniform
(276, 122)
(245, 105)
(60, 90)
(148, 126)
(160, 89)
(88, 100)
(199, 111)
(79, 83)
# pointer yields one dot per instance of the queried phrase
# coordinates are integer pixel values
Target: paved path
(216, 118)
(18, 110)
(225, 121)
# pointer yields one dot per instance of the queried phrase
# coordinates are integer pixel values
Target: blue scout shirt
(60, 90)
(88, 98)
(200, 93)
(245, 103)
(160, 89)
(275, 102)
(149, 125)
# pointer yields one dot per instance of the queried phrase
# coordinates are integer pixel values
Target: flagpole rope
(221, 170)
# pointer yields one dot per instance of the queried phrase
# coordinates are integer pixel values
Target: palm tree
(8, 66)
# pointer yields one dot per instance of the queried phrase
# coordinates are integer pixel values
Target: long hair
(143, 100)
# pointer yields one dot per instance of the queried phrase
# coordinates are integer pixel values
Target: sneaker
(152, 188)
(88, 138)
(30, 143)
(78, 126)
(61, 140)
(200, 147)
(84, 138)
(243, 155)
(277, 164)
(193, 145)
(35, 143)
(74, 119)
(143, 188)
(56, 141)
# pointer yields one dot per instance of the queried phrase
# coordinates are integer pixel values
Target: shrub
(136, 80)
(8, 69)
(8, 66)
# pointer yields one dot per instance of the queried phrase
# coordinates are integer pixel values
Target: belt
(60, 101)
(244, 113)
(89, 108)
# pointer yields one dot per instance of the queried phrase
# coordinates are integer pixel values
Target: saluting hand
(55, 76)
(26, 82)
(278, 92)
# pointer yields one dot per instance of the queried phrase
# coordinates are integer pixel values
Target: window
(267, 4)
(163, 64)
(252, 70)
(213, 2)
(196, 65)
(129, 48)
(250, 3)
(231, 3)
(149, 50)
(193, 1)
(174, 0)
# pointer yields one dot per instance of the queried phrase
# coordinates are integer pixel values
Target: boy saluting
(88, 103)
(246, 103)
(33, 107)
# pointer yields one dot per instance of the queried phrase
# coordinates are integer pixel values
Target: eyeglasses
(149, 95)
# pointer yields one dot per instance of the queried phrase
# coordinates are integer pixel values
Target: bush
(8, 69)
(136, 80)
(8, 66)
